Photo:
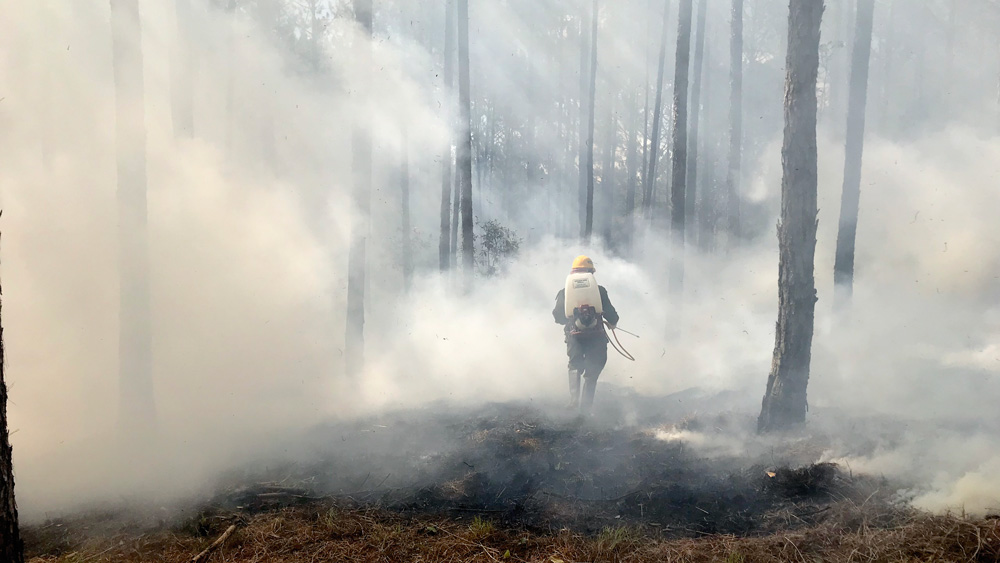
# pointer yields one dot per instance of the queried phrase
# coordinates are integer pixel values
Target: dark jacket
(559, 313)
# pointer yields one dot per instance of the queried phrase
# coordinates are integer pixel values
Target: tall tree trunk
(444, 244)
(698, 70)
(230, 38)
(581, 134)
(679, 172)
(708, 204)
(784, 403)
(654, 144)
(733, 172)
(887, 105)
(588, 227)
(839, 62)
(630, 163)
(135, 336)
(465, 143)
(354, 346)
(182, 106)
(608, 174)
(456, 210)
(11, 546)
(404, 198)
(843, 267)
(268, 12)
(645, 112)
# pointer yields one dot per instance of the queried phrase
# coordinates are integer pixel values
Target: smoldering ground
(248, 257)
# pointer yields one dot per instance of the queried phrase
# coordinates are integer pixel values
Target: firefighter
(582, 307)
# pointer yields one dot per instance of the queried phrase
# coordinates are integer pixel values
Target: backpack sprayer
(583, 305)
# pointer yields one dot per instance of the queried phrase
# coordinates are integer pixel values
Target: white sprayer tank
(582, 290)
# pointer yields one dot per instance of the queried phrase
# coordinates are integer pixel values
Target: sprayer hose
(616, 344)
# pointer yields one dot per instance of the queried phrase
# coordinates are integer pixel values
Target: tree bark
(733, 172)
(708, 197)
(11, 546)
(182, 108)
(654, 144)
(608, 175)
(843, 268)
(645, 119)
(465, 143)
(444, 244)
(784, 403)
(691, 197)
(230, 38)
(588, 227)
(630, 160)
(680, 130)
(404, 198)
(581, 133)
(268, 12)
(887, 105)
(354, 345)
(456, 210)
(135, 337)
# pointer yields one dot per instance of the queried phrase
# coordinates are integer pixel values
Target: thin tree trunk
(608, 174)
(581, 134)
(404, 184)
(784, 403)
(447, 175)
(354, 346)
(654, 145)
(679, 171)
(135, 336)
(888, 76)
(733, 191)
(645, 113)
(182, 108)
(11, 546)
(456, 211)
(588, 227)
(565, 188)
(230, 39)
(843, 268)
(698, 70)
(630, 160)
(465, 143)
(708, 198)
(267, 17)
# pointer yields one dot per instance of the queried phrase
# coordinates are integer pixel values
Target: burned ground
(545, 469)
(532, 481)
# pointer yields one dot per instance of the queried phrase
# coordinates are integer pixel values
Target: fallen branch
(204, 555)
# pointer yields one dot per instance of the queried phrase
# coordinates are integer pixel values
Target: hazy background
(249, 221)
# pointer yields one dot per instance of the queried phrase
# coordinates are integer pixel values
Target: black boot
(589, 386)
(574, 388)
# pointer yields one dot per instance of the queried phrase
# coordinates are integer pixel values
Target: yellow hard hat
(584, 263)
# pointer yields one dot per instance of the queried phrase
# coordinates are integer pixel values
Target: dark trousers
(588, 354)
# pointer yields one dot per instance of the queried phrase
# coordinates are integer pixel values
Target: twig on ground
(204, 555)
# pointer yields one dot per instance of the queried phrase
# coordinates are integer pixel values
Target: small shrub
(481, 528)
(498, 247)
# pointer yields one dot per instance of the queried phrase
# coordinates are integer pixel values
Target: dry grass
(332, 533)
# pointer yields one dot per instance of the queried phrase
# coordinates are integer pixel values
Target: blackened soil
(520, 466)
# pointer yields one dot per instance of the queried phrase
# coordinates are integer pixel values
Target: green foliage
(498, 247)
(619, 536)
(481, 528)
